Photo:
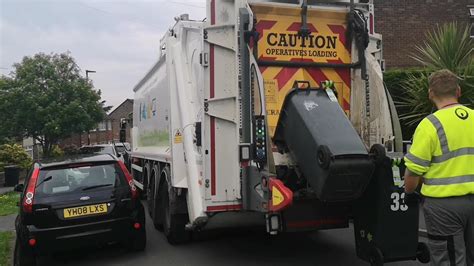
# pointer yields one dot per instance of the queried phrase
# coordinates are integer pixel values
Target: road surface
(251, 246)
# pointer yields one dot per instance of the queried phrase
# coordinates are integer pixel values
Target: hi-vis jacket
(443, 152)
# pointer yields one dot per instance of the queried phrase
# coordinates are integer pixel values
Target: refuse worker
(442, 159)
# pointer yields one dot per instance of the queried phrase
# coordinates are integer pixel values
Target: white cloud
(118, 39)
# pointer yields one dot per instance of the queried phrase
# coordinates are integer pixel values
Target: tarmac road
(229, 247)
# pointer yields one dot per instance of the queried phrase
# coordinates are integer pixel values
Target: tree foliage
(48, 99)
(447, 47)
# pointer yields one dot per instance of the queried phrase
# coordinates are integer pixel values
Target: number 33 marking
(396, 205)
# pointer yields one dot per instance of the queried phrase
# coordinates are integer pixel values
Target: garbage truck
(275, 111)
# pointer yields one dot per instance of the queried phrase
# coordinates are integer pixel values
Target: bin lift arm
(304, 31)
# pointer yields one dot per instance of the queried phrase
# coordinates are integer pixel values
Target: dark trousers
(450, 225)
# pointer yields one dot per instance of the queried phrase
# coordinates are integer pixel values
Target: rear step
(326, 147)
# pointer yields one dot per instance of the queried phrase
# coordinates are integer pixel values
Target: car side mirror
(19, 188)
(123, 135)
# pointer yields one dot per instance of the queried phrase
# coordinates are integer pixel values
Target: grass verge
(5, 240)
(9, 203)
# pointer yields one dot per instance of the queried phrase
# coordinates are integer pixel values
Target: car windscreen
(79, 177)
(120, 149)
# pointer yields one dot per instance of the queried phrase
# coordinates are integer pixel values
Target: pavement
(4, 190)
(7, 223)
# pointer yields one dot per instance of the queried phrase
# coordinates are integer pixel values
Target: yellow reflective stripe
(448, 180)
(417, 160)
(443, 140)
(453, 154)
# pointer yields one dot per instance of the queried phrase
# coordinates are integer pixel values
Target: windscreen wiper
(96, 186)
(44, 180)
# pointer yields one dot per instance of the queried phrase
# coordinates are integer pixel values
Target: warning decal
(178, 138)
(279, 41)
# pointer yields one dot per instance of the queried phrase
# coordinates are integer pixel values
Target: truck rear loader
(274, 110)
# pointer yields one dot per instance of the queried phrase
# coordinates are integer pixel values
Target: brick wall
(404, 23)
(104, 136)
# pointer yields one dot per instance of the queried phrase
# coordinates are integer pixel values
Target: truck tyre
(153, 200)
(174, 223)
(324, 156)
(145, 180)
(22, 255)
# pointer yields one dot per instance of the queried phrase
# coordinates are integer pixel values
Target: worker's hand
(413, 198)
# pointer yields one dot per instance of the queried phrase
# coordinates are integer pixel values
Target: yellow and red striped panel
(278, 28)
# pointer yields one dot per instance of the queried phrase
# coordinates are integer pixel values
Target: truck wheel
(22, 255)
(150, 197)
(423, 253)
(154, 207)
(324, 156)
(378, 152)
(174, 224)
(145, 180)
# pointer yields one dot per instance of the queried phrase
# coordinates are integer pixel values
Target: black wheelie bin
(327, 149)
(385, 226)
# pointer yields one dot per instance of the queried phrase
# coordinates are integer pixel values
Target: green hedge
(394, 79)
(14, 154)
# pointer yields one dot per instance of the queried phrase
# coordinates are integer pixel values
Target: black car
(77, 202)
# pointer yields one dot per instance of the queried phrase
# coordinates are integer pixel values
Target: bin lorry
(274, 110)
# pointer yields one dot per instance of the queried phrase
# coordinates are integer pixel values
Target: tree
(447, 47)
(49, 100)
(6, 128)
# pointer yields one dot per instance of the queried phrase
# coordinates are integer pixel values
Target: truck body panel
(196, 110)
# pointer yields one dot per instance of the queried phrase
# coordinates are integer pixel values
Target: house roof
(118, 107)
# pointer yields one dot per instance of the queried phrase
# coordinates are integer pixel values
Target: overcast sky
(117, 38)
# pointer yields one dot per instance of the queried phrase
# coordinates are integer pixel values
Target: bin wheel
(423, 253)
(378, 152)
(324, 156)
(376, 257)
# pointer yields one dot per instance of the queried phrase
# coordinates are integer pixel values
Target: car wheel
(23, 256)
(174, 224)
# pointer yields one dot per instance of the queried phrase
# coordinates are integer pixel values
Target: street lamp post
(88, 132)
(87, 73)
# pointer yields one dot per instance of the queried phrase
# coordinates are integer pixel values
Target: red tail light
(129, 177)
(30, 192)
(32, 242)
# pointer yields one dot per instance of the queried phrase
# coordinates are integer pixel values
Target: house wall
(404, 23)
(111, 132)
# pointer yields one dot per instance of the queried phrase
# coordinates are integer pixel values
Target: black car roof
(80, 158)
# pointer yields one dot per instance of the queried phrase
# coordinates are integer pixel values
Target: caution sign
(278, 40)
(178, 138)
